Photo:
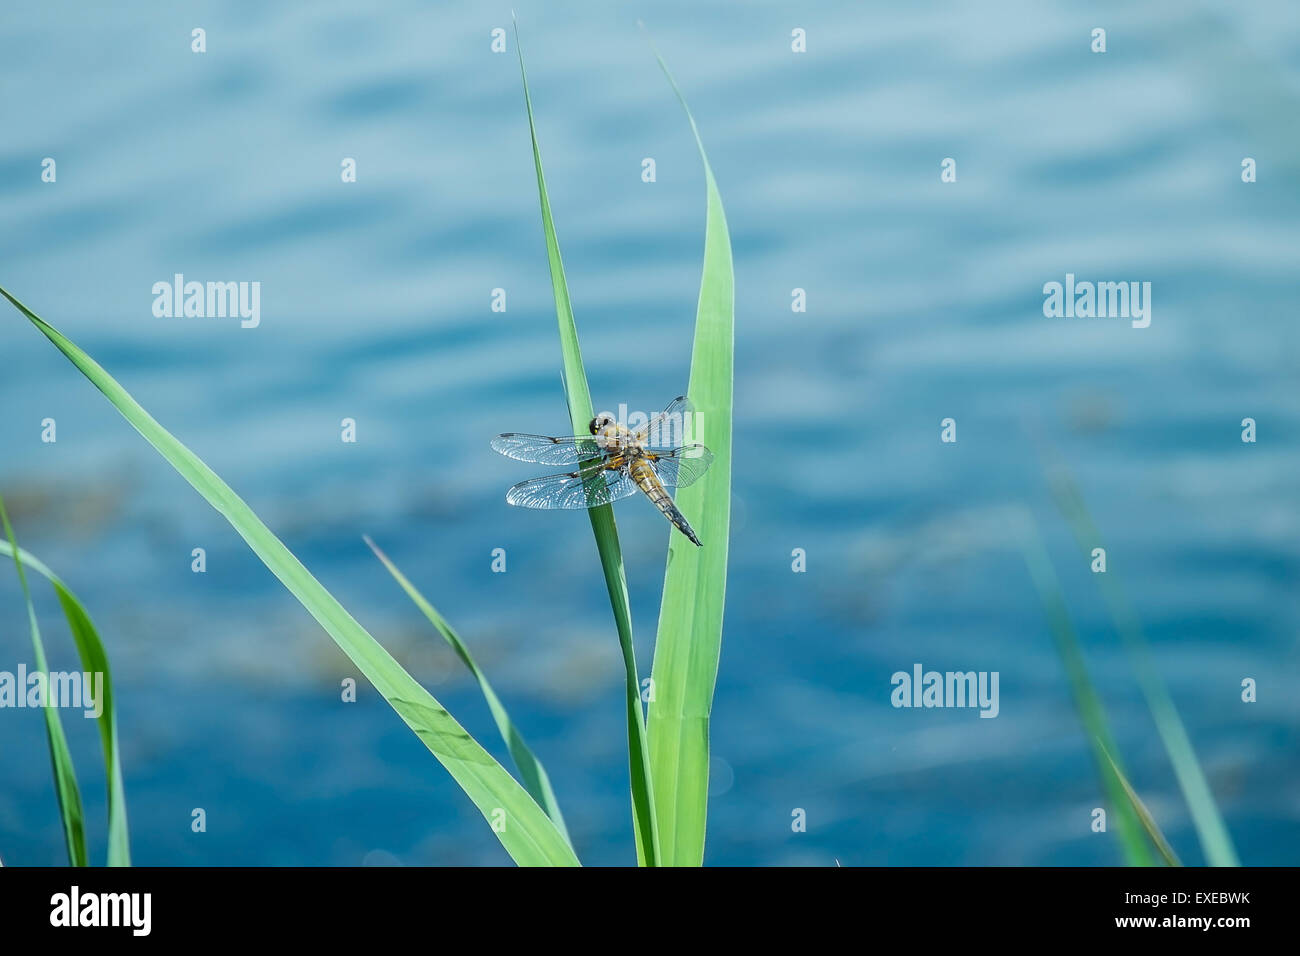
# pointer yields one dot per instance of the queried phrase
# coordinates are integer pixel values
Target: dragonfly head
(601, 421)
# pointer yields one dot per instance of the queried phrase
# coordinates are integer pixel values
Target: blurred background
(924, 301)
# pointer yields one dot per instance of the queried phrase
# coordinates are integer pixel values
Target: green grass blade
(1211, 830)
(1143, 814)
(535, 779)
(65, 775)
(689, 641)
(528, 836)
(94, 660)
(578, 395)
(1086, 699)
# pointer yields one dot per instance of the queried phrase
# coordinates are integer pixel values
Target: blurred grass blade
(535, 779)
(1211, 830)
(65, 775)
(94, 660)
(1143, 814)
(1086, 700)
(578, 395)
(689, 641)
(528, 836)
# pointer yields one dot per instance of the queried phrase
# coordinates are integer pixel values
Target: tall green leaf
(1086, 699)
(65, 775)
(529, 836)
(581, 413)
(689, 641)
(535, 779)
(94, 659)
(1211, 830)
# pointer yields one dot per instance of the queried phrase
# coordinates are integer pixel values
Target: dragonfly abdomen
(643, 474)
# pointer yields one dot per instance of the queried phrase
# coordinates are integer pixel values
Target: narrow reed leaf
(689, 641)
(535, 779)
(529, 836)
(1143, 814)
(65, 775)
(1086, 699)
(578, 396)
(1211, 830)
(94, 660)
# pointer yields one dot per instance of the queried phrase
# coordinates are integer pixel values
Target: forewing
(682, 466)
(670, 427)
(598, 485)
(545, 450)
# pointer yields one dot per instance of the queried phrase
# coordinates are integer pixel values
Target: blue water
(924, 301)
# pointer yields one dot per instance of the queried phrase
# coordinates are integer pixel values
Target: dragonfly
(612, 462)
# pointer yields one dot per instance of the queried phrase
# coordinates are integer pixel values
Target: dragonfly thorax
(616, 438)
(611, 436)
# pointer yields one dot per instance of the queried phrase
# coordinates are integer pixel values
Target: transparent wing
(682, 466)
(670, 427)
(597, 485)
(545, 450)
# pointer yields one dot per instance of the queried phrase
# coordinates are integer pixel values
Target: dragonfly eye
(595, 425)
(599, 422)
